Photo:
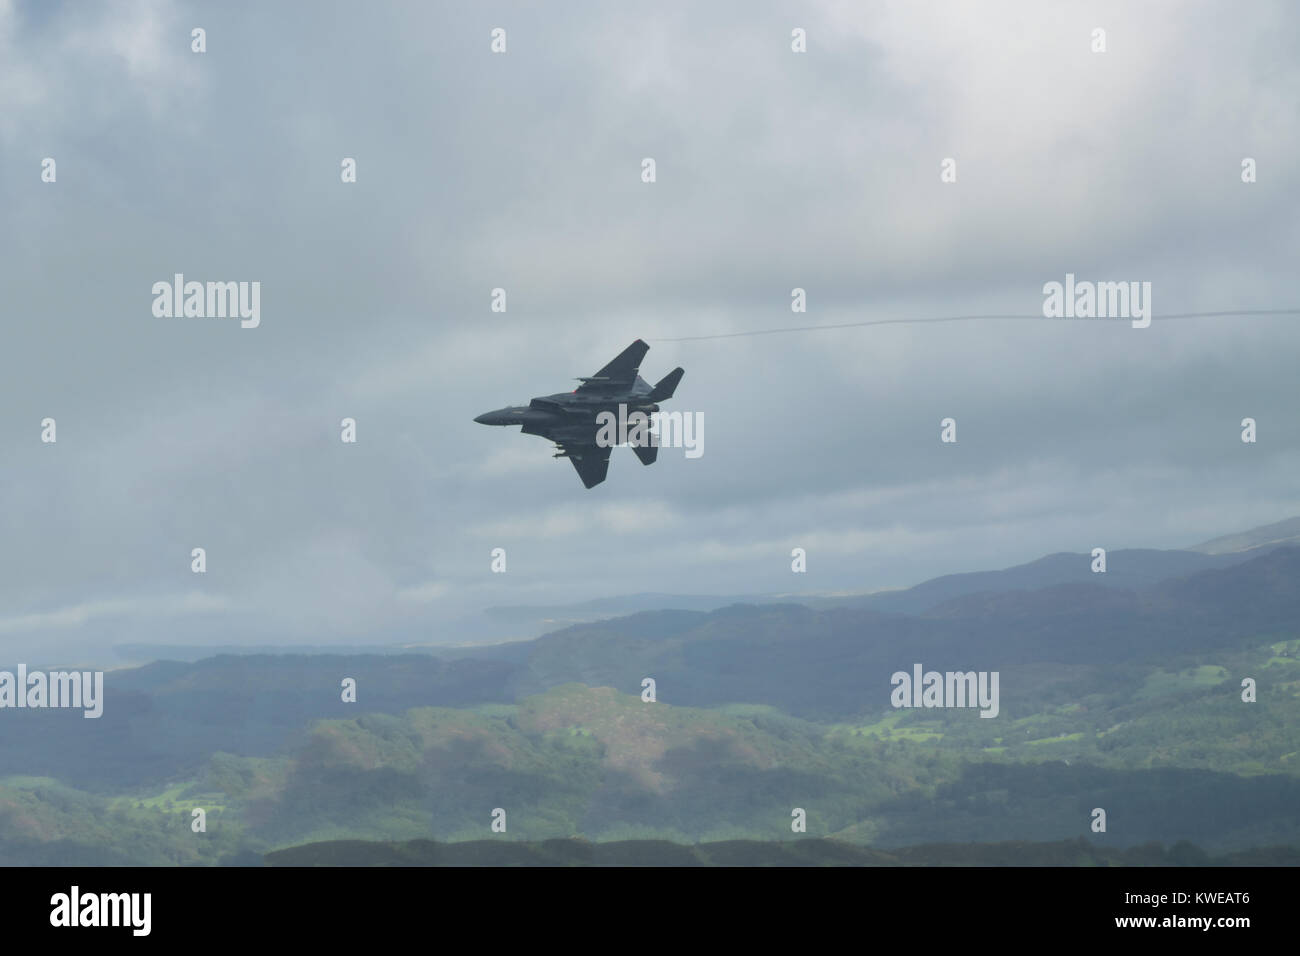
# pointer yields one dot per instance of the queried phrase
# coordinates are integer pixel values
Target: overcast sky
(522, 170)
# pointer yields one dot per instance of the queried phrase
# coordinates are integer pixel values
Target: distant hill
(1281, 532)
(618, 606)
(814, 664)
(1127, 698)
(500, 632)
(165, 718)
(1130, 569)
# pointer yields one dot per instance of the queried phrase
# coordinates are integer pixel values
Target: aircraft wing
(590, 461)
(621, 370)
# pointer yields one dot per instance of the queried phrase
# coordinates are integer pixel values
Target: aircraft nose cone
(503, 416)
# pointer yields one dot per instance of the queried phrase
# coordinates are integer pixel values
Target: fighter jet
(569, 418)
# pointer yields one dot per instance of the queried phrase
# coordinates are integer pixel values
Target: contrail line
(973, 318)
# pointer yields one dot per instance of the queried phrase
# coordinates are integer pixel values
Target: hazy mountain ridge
(827, 665)
(760, 708)
(1127, 569)
(1280, 532)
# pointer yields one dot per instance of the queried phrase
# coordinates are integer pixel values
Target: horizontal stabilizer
(667, 385)
(647, 453)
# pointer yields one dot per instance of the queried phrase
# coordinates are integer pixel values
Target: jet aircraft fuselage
(570, 418)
